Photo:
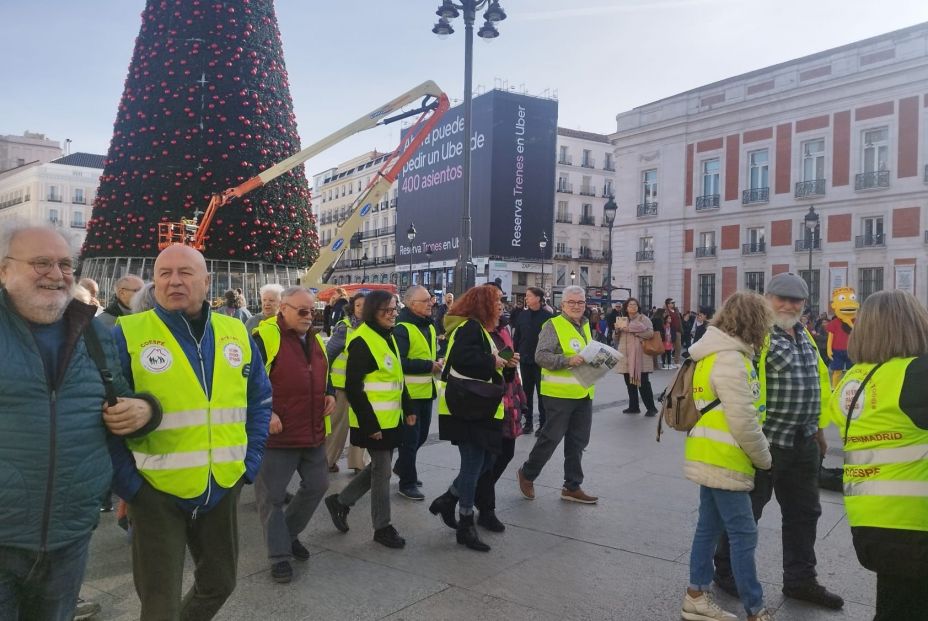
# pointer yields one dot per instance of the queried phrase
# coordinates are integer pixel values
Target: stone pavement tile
(328, 586)
(454, 604)
(577, 580)
(660, 533)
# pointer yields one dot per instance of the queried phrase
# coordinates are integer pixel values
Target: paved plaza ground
(622, 559)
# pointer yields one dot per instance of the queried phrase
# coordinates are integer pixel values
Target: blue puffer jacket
(54, 463)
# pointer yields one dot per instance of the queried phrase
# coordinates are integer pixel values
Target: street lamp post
(573, 277)
(811, 221)
(542, 244)
(410, 235)
(609, 211)
(428, 267)
(364, 268)
(465, 273)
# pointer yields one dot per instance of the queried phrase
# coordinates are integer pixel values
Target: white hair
(573, 289)
(14, 226)
(291, 291)
(272, 287)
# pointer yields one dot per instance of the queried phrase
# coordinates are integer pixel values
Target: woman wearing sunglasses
(377, 400)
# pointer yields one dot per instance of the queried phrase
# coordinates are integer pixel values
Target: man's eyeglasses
(302, 312)
(388, 310)
(575, 303)
(43, 266)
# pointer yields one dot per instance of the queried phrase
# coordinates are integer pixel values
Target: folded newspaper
(600, 359)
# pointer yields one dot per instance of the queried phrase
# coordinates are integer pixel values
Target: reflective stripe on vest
(710, 440)
(420, 385)
(338, 366)
(442, 404)
(383, 387)
(562, 383)
(886, 454)
(269, 332)
(198, 437)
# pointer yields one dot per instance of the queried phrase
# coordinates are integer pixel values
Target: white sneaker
(764, 615)
(703, 608)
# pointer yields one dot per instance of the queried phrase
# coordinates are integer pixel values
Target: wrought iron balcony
(802, 245)
(870, 241)
(563, 253)
(754, 248)
(644, 255)
(812, 187)
(705, 251)
(707, 202)
(587, 190)
(610, 166)
(755, 195)
(567, 188)
(871, 180)
(587, 220)
(588, 163)
(926, 173)
(78, 225)
(388, 260)
(54, 198)
(564, 218)
(567, 160)
(647, 209)
(608, 191)
(79, 201)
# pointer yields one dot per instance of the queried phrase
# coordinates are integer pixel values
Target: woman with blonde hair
(722, 451)
(886, 449)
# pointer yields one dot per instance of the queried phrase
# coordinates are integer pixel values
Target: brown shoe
(333, 468)
(525, 486)
(578, 495)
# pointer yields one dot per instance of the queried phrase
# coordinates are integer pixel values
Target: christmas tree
(206, 105)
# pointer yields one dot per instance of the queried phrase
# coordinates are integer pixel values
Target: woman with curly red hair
(473, 422)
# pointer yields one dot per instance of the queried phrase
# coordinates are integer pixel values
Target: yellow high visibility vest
(710, 440)
(420, 385)
(198, 436)
(824, 378)
(886, 454)
(562, 383)
(383, 387)
(269, 332)
(338, 366)
(442, 404)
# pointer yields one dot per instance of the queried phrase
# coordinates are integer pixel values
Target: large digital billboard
(513, 143)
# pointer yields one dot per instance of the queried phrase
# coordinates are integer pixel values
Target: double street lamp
(542, 244)
(411, 236)
(811, 221)
(465, 273)
(609, 211)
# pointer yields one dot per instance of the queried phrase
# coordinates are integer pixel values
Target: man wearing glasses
(54, 462)
(126, 287)
(416, 339)
(568, 404)
(183, 480)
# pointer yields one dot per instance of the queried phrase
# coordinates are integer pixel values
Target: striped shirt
(793, 389)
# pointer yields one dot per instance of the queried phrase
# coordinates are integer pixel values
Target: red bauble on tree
(206, 105)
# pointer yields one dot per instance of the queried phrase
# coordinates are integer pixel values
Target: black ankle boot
(488, 520)
(467, 534)
(444, 505)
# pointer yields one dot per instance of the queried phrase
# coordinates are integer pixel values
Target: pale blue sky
(65, 61)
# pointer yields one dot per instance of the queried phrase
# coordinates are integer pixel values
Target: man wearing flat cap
(795, 380)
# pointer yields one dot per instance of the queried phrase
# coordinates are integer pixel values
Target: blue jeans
(725, 511)
(475, 460)
(414, 436)
(41, 586)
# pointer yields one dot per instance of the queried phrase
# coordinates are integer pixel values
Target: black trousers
(900, 597)
(794, 479)
(531, 384)
(485, 498)
(647, 395)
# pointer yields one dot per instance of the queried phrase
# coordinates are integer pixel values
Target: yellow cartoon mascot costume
(844, 304)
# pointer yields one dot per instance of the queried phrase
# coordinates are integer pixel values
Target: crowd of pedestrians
(173, 405)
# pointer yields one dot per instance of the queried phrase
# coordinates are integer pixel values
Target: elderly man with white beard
(54, 462)
(794, 380)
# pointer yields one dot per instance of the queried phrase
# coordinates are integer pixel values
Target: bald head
(181, 280)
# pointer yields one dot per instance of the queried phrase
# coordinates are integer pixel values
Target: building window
(54, 193)
(563, 184)
(562, 214)
(710, 177)
(561, 275)
(53, 216)
(563, 157)
(649, 186)
(876, 150)
(754, 281)
(707, 290)
(560, 248)
(813, 160)
(584, 276)
(871, 232)
(586, 186)
(758, 169)
(588, 159)
(608, 190)
(77, 219)
(869, 281)
(646, 291)
(813, 288)
(586, 214)
(707, 239)
(79, 196)
(608, 163)
(646, 243)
